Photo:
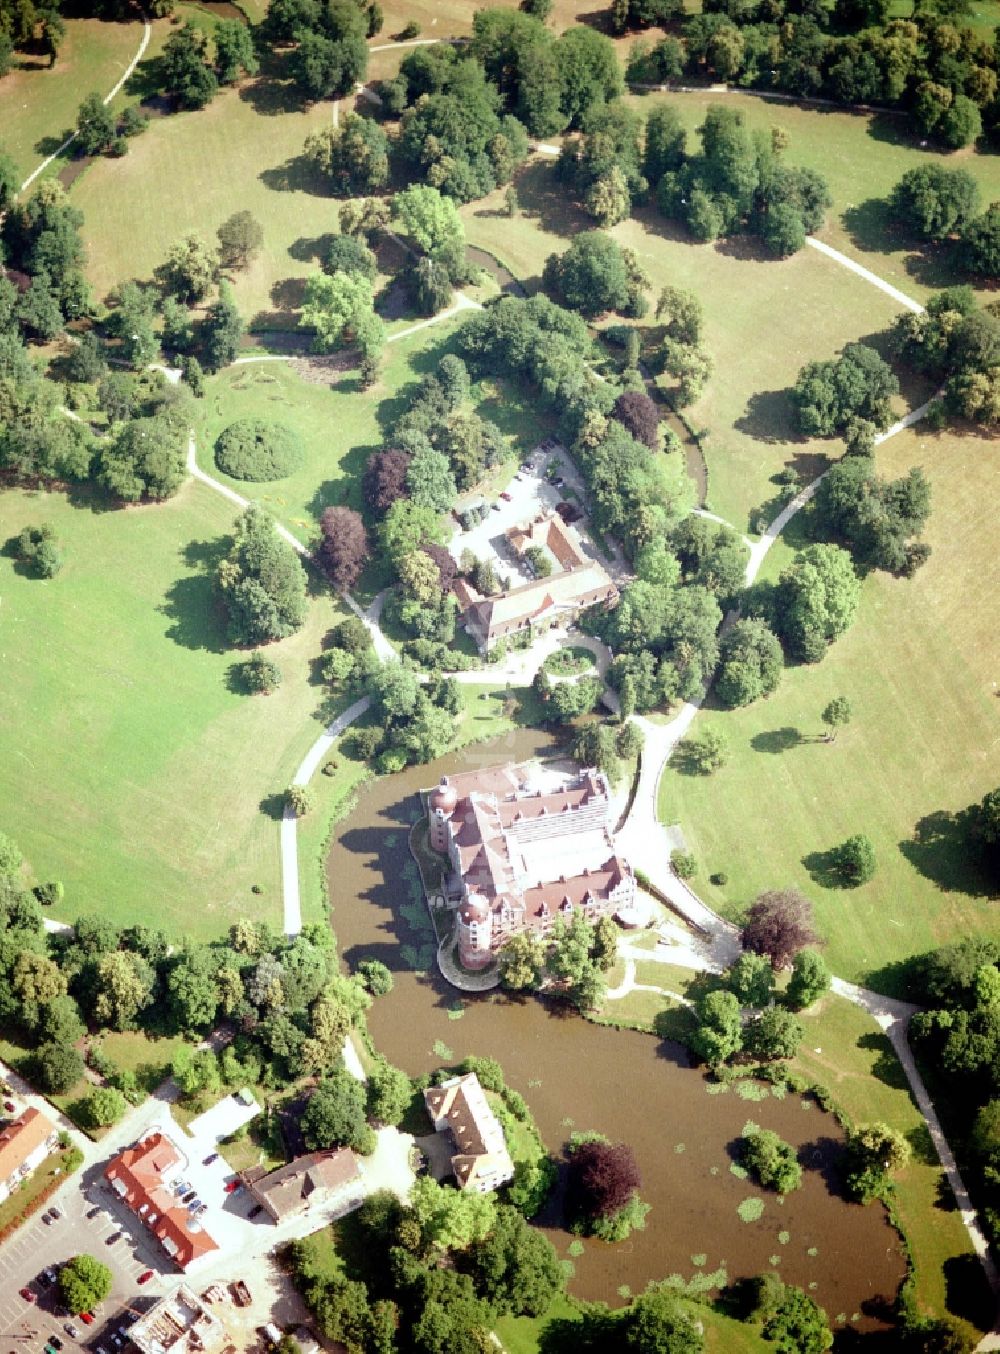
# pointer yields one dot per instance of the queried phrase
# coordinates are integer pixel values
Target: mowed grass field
(919, 667)
(862, 156)
(764, 318)
(38, 105)
(128, 767)
(189, 172)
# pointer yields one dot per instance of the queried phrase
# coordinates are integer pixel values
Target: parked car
(231, 1186)
(71, 1331)
(95, 1211)
(186, 1198)
(214, 1156)
(113, 1238)
(28, 1295)
(118, 1339)
(55, 1213)
(194, 1205)
(145, 1276)
(55, 1342)
(506, 496)
(47, 1277)
(10, 1107)
(256, 1211)
(87, 1318)
(50, 1348)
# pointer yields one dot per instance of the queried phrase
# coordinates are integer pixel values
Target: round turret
(475, 908)
(445, 797)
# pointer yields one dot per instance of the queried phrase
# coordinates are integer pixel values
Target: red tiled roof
(140, 1171)
(20, 1138)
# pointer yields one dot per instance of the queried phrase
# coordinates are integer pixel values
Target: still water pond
(629, 1086)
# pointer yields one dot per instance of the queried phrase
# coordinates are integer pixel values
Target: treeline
(941, 73)
(959, 1037)
(935, 204)
(286, 998)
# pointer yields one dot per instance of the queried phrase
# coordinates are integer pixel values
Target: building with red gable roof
(141, 1177)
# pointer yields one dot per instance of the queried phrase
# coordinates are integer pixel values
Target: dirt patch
(325, 369)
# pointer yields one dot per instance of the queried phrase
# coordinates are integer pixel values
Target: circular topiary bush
(253, 449)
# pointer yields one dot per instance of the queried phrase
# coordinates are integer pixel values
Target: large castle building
(521, 854)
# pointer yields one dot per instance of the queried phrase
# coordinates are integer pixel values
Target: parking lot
(530, 492)
(116, 1236)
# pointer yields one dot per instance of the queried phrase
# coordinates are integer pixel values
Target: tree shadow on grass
(825, 869)
(746, 248)
(940, 850)
(294, 176)
(869, 225)
(270, 95)
(196, 614)
(777, 740)
(769, 417)
(206, 555)
(967, 1292)
(886, 1067)
(311, 250)
(48, 145)
(273, 806)
(542, 196)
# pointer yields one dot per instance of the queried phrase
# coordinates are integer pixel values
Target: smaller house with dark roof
(481, 1161)
(321, 1179)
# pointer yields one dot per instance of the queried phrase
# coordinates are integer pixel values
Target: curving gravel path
(147, 33)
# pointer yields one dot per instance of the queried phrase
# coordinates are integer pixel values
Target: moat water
(630, 1086)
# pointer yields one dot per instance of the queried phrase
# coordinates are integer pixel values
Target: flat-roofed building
(183, 1323)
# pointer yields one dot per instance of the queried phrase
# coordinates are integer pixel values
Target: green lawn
(128, 767)
(148, 1056)
(337, 427)
(38, 105)
(919, 666)
(861, 155)
(189, 172)
(844, 1051)
(744, 415)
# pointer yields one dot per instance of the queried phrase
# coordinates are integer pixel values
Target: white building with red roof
(523, 854)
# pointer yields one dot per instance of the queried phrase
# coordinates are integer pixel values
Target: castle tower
(475, 926)
(441, 805)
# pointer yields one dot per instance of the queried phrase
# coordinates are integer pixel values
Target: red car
(87, 1318)
(28, 1295)
(505, 496)
(145, 1276)
(232, 1186)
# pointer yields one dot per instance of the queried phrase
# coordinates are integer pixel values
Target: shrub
(38, 548)
(260, 675)
(771, 1160)
(409, 30)
(300, 799)
(252, 449)
(685, 865)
